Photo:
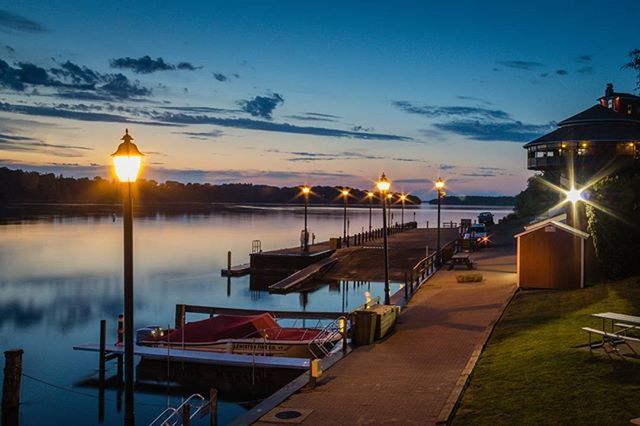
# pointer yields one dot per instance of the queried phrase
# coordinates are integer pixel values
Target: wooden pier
(202, 357)
(295, 280)
(236, 271)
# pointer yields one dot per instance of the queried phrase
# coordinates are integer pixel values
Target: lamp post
(345, 196)
(305, 192)
(126, 161)
(403, 198)
(383, 186)
(389, 204)
(439, 187)
(370, 197)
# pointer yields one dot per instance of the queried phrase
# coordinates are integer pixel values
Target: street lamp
(403, 198)
(305, 192)
(383, 185)
(439, 187)
(390, 204)
(345, 195)
(370, 196)
(126, 161)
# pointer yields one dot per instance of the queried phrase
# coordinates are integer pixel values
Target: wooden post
(213, 407)
(186, 413)
(406, 288)
(11, 386)
(314, 372)
(120, 368)
(102, 352)
(229, 263)
(180, 315)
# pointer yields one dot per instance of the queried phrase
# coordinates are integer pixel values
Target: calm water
(59, 276)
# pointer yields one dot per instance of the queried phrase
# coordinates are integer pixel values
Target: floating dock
(202, 357)
(292, 282)
(236, 271)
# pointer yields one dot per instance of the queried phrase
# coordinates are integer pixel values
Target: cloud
(9, 49)
(314, 116)
(203, 135)
(474, 99)
(583, 59)
(505, 131)
(262, 106)
(585, 70)
(71, 81)
(487, 174)
(522, 65)
(544, 75)
(220, 77)
(433, 111)
(447, 166)
(165, 118)
(15, 143)
(148, 65)
(562, 72)
(13, 22)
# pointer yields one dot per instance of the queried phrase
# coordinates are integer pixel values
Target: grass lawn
(530, 374)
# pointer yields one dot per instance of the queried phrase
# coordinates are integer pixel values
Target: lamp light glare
(439, 184)
(127, 167)
(574, 195)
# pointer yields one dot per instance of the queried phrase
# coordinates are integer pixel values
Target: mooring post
(180, 315)
(11, 386)
(102, 352)
(314, 372)
(229, 263)
(186, 414)
(213, 407)
(120, 338)
(406, 288)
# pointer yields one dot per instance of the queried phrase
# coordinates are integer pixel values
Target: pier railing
(428, 266)
(366, 236)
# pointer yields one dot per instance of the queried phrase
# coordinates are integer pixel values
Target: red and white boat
(246, 335)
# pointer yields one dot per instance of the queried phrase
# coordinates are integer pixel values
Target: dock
(292, 282)
(417, 374)
(236, 271)
(202, 357)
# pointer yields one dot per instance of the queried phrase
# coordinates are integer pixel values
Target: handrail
(174, 411)
(427, 266)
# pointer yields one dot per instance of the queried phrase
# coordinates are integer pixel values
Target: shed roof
(559, 225)
(562, 217)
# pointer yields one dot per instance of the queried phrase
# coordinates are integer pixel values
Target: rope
(75, 392)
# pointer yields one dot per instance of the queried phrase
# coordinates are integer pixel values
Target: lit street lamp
(370, 196)
(345, 195)
(126, 161)
(383, 186)
(439, 187)
(305, 192)
(389, 205)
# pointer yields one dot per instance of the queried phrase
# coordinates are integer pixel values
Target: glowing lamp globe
(383, 184)
(127, 159)
(439, 184)
(306, 190)
(345, 192)
(370, 194)
(574, 195)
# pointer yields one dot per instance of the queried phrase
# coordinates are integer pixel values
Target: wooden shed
(551, 255)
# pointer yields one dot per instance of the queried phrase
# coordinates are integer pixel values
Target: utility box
(365, 329)
(334, 243)
(386, 317)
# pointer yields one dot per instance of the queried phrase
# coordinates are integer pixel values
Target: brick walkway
(408, 377)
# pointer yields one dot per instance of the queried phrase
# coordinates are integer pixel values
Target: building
(592, 138)
(551, 255)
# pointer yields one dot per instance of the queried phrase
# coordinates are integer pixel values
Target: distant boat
(246, 335)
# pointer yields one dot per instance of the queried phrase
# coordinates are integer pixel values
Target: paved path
(407, 378)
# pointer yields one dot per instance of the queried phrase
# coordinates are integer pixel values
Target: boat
(243, 334)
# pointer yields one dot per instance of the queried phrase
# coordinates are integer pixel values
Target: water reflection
(60, 275)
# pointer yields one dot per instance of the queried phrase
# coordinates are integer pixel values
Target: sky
(290, 93)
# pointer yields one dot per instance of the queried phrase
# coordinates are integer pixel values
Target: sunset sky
(286, 93)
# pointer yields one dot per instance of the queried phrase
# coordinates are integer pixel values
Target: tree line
(19, 186)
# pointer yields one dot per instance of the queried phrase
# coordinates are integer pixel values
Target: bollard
(11, 386)
(314, 372)
(213, 407)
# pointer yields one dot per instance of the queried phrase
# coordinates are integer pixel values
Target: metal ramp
(182, 414)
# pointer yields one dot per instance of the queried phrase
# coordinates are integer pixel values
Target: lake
(61, 274)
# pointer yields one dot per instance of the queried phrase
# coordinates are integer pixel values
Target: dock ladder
(182, 414)
(325, 340)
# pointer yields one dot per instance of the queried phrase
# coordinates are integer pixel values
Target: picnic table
(614, 337)
(461, 259)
